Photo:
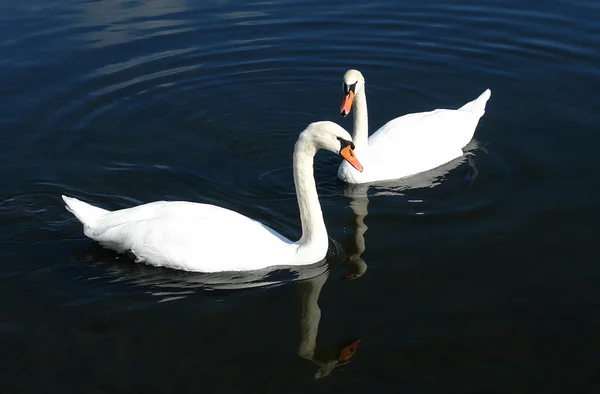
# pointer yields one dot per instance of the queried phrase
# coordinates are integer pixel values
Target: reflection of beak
(348, 154)
(348, 351)
(356, 265)
(347, 103)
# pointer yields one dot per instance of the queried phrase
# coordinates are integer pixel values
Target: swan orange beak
(347, 103)
(348, 154)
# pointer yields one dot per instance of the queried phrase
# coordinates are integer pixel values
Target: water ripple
(197, 101)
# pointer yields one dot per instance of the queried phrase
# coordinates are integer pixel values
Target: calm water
(481, 276)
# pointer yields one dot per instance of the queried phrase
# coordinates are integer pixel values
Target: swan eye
(350, 88)
(344, 143)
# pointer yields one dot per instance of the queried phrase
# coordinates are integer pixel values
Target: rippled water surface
(481, 276)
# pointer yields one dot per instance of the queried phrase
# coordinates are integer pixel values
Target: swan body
(207, 238)
(409, 144)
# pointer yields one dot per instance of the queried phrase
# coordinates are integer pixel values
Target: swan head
(330, 136)
(353, 82)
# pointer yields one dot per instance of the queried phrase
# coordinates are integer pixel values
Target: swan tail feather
(477, 106)
(87, 214)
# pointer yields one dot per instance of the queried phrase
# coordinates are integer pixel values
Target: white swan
(207, 238)
(409, 144)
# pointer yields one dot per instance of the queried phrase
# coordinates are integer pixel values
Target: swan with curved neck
(409, 144)
(208, 238)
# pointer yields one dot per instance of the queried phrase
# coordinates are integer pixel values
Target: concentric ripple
(128, 102)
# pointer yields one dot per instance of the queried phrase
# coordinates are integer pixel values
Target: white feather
(208, 238)
(409, 144)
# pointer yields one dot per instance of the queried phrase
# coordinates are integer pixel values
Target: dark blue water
(481, 276)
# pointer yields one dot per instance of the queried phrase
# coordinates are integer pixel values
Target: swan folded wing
(216, 241)
(440, 128)
(161, 209)
(421, 141)
(426, 125)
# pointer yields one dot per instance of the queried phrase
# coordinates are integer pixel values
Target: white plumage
(409, 144)
(208, 238)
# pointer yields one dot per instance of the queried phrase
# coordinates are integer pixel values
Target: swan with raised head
(208, 238)
(409, 144)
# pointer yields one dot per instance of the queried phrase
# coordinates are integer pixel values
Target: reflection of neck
(310, 315)
(361, 121)
(359, 207)
(327, 357)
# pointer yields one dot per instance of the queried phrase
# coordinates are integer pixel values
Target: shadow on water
(170, 284)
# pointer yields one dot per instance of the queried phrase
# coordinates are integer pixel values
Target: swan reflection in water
(359, 195)
(330, 356)
(170, 285)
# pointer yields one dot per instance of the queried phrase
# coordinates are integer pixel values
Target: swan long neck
(361, 121)
(314, 232)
